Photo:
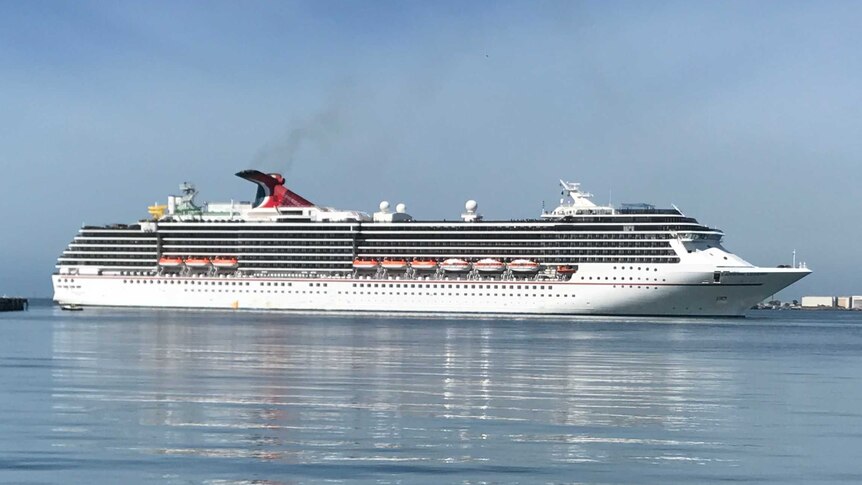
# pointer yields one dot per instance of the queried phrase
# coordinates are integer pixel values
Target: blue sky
(746, 115)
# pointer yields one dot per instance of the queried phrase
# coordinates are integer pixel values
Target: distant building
(819, 301)
(843, 302)
(856, 302)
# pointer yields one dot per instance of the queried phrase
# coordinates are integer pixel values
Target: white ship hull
(597, 290)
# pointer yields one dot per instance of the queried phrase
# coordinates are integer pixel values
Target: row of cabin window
(681, 225)
(614, 278)
(115, 249)
(406, 293)
(452, 285)
(299, 235)
(251, 229)
(604, 233)
(222, 283)
(450, 293)
(221, 241)
(543, 244)
(205, 283)
(150, 255)
(99, 240)
(87, 262)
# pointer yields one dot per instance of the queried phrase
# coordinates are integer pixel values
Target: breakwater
(13, 304)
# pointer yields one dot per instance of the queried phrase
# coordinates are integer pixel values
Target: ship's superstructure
(284, 252)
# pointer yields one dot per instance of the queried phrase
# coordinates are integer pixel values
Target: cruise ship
(283, 252)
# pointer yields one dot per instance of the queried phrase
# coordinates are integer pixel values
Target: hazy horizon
(743, 114)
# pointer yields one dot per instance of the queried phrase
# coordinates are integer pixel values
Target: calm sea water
(149, 396)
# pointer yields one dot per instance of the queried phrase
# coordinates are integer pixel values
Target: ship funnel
(271, 191)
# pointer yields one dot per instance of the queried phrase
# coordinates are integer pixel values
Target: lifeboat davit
(225, 262)
(197, 263)
(524, 266)
(423, 265)
(364, 264)
(170, 262)
(489, 265)
(455, 265)
(394, 264)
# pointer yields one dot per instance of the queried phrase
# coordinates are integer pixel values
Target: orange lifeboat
(566, 269)
(222, 262)
(394, 264)
(195, 262)
(489, 265)
(524, 266)
(170, 262)
(423, 265)
(364, 264)
(455, 265)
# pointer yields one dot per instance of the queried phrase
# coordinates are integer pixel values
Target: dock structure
(8, 304)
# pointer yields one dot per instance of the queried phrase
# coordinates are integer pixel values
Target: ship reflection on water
(241, 396)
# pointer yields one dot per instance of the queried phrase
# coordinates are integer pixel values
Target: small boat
(423, 265)
(197, 262)
(170, 262)
(222, 262)
(364, 264)
(394, 264)
(455, 265)
(71, 308)
(489, 265)
(567, 269)
(524, 266)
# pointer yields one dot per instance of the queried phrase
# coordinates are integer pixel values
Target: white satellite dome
(401, 208)
(471, 205)
(384, 206)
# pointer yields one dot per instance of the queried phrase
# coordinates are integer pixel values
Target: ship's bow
(765, 283)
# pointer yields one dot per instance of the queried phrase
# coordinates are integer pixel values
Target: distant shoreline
(809, 309)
